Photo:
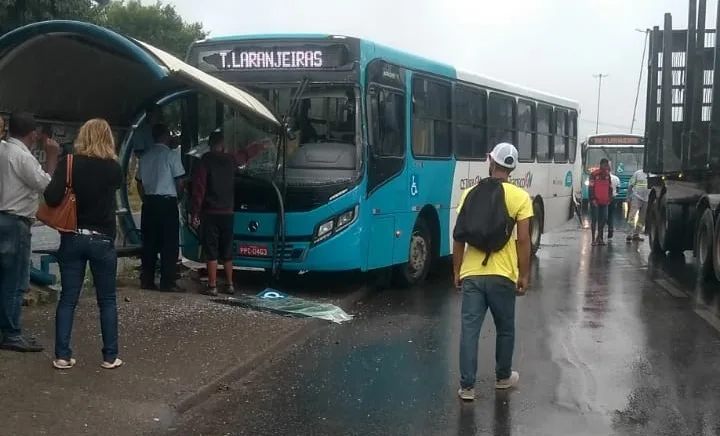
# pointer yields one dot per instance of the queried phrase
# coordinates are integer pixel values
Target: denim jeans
(478, 294)
(598, 219)
(76, 252)
(15, 241)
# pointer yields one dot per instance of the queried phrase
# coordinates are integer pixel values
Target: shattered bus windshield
(324, 122)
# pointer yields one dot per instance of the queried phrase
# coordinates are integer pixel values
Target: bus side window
(387, 122)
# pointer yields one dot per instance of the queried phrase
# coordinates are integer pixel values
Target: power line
(617, 126)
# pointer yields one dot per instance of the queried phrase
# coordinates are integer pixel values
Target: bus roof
(412, 61)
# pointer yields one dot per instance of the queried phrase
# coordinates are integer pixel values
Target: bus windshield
(324, 124)
(622, 160)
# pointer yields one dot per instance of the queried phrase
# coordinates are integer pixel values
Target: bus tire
(416, 269)
(716, 250)
(536, 227)
(704, 245)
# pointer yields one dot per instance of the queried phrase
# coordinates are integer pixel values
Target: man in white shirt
(613, 206)
(638, 193)
(22, 179)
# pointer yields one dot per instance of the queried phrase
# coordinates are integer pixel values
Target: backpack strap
(485, 261)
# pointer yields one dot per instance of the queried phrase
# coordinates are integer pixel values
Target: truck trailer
(682, 134)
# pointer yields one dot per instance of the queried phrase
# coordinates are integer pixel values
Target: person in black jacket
(96, 176)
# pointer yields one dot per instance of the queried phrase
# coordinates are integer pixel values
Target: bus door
(386, 184)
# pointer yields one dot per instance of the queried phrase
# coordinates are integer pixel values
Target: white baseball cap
(505, 155)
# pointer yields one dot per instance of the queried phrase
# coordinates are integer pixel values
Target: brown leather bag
(62, 218)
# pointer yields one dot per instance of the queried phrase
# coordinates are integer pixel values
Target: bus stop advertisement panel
(66, 72)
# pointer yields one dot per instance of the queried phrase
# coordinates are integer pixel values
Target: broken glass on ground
(274, 301)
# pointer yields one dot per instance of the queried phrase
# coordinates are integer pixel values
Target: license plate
(251, 250)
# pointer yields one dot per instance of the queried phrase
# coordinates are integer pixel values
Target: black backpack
(484, 221)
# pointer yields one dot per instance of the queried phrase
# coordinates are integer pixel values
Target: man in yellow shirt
(493, 281)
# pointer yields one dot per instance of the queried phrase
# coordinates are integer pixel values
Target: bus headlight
(587, 182)
(335, 225)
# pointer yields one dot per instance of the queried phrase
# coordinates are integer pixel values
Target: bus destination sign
(305, 57)
(615, 140)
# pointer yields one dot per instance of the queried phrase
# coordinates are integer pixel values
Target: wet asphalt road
(608, 342)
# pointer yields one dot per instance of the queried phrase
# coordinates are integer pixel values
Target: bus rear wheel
(415, 270)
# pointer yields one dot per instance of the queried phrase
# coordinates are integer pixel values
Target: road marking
(709, 317)
(671, 289)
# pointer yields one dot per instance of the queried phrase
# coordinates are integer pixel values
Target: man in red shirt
(213, 204)
(600, 193)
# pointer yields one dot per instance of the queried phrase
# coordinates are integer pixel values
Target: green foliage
(158, 24)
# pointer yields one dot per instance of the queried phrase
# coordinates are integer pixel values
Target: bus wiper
(294, 101)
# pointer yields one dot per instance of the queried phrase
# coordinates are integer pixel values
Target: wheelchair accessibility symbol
(413, 185)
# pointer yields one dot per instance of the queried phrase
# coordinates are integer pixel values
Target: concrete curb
(245, 368)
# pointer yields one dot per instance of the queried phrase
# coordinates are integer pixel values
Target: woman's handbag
(62, 218)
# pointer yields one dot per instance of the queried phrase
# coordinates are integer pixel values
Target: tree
(158, 24)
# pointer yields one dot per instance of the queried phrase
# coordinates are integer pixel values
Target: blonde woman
(96, 176)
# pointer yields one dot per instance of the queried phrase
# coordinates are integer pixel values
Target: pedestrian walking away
(490, 266)
(600, 193)
(614, 204)
(96, 177)
(638, 193)
(160, 181)
(22, 179)
(213, 205)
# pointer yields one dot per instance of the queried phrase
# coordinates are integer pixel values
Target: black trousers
(160, 226)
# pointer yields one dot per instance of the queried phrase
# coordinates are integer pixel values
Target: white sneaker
(509, 382)
(466, 394)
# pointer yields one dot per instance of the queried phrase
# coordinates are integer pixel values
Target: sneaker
(210, 290)
(628, 238)
(509, 382)
(611, 233)
(638, 238)
(466, 394)
(229, 290)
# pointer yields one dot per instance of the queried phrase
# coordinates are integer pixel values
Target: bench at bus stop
(129, 247)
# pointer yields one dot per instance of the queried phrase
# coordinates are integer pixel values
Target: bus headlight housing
(335, 224)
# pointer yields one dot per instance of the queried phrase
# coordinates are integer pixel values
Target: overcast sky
(552, 45)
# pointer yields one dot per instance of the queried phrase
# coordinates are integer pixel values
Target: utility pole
(600, 79)
(642, 66)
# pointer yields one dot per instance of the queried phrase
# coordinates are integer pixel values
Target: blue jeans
(15, 237)
(76, 251)
(478, 294)
(598, 219)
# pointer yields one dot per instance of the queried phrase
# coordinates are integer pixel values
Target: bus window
(431, 118)
(526, 131)
(572, 131)
(387, 123)
(544, 116)
(470, 127)
(561, 137)
(501, 119)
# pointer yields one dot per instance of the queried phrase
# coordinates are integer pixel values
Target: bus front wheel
(415, 271)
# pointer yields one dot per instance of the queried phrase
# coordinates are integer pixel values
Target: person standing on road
(600, 193)
(160, 181)
(22, 179)
(213, 204)
(493, 277)
(96, 177)
(638, 193)
(613, 206)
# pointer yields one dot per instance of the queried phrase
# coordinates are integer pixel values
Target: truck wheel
(415, 271)
(704, 243)
(651, 224)
(536, 227)
(716, 251)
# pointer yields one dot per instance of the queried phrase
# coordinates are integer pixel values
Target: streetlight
(599, 76)
(642, 65)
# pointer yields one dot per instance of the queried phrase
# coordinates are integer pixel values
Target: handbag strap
(69, 172)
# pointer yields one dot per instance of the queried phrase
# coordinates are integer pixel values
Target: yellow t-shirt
(504, 262)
